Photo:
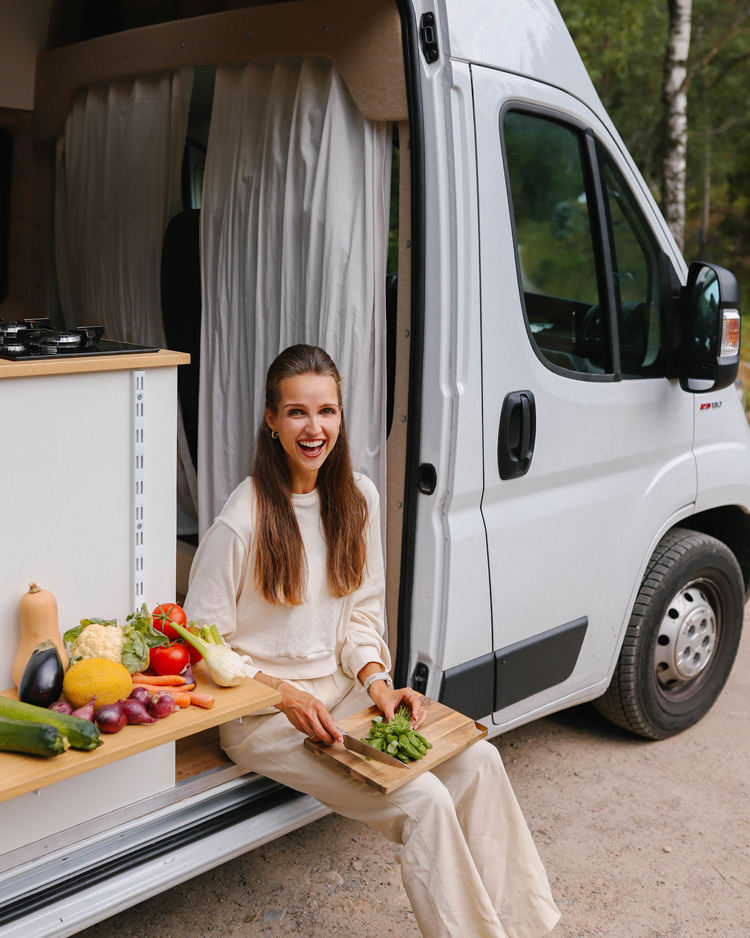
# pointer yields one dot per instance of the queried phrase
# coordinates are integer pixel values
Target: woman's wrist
(376, 689)
(268, 680)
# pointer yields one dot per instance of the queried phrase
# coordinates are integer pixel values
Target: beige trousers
(468, 862)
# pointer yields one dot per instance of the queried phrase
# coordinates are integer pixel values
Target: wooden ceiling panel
(363, 38)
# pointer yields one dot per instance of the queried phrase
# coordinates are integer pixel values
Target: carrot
(202, 700)
(182, 689)
(181, 699)
(155, 680)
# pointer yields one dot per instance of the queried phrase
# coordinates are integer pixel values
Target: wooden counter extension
(69, 364)
(20, 774)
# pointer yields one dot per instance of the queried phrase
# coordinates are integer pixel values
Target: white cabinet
(67, 522)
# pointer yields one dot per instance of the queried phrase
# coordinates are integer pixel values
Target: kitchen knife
(356, 745)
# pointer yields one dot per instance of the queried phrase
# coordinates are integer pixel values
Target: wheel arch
(729, 524)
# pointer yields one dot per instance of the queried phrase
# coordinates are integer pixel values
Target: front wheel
(682, 637)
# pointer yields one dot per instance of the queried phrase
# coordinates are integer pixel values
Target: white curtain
(117, 186)
(294, 229)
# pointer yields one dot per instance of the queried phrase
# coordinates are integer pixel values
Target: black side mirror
(710, 347)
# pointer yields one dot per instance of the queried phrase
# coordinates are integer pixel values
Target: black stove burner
(33, 339)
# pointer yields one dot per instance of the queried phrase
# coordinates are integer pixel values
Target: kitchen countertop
(20, 774)
(66, 365)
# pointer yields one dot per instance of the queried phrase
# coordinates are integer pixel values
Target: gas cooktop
(34, 339)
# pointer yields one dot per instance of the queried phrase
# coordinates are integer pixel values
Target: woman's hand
(307, 714)
(389, 701)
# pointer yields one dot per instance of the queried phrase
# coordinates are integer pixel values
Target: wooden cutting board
(448, 731)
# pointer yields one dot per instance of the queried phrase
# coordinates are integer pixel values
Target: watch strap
(380, 676)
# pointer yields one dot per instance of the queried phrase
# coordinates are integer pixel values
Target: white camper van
(543, 388)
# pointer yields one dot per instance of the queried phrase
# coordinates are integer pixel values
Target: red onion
(187, 673)
(110, 718)
(86, 712)
(61, 706)
(135, 712)
(162, 704)
(141, 694)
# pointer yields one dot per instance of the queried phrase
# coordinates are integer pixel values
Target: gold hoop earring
(275, 434)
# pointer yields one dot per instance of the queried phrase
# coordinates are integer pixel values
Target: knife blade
(356, 745)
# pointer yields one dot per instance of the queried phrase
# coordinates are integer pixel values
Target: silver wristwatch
(380, 676)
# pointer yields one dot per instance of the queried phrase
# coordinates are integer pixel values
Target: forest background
(624, 46)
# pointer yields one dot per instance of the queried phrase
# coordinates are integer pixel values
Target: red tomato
(169, 659)
(166, 613)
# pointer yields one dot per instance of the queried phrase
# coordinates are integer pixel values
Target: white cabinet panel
(66, 473)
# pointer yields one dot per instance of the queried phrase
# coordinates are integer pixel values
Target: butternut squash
(37, 612)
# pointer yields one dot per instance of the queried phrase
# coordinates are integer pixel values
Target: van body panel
(527, 37)
(722, 450)
(450, 543)
(466, 594)
(551, 700)
(612, 458)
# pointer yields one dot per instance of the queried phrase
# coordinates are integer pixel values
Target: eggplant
(42, 679)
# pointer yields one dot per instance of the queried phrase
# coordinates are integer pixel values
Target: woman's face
(307, 421)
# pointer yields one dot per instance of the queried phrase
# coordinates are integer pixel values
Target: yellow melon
(108, 680)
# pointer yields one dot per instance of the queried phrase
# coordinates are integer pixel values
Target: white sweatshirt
(307, 641)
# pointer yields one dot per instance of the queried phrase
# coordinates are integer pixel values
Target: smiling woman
(292, 574)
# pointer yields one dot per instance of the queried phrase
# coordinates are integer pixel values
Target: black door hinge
(428, 31)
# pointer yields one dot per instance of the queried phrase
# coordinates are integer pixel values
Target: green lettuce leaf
(141, 622)
(135, 655)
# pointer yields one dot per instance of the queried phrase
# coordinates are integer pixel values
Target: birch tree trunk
(675, 113)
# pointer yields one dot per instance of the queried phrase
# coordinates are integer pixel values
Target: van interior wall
(28, 261)
(363, 38)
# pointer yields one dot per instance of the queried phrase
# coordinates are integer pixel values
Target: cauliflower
(100, 641)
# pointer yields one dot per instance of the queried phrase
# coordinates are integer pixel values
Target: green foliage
(623, 45)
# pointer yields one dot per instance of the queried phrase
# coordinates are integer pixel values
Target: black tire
(637, 699)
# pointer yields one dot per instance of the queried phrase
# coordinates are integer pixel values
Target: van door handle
(517, 435)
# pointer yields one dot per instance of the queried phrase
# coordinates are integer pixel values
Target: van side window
(551, 192)
(636, 280)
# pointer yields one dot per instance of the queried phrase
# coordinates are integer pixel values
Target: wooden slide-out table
(20, 774)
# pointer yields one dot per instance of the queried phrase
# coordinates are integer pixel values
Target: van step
(130, 874)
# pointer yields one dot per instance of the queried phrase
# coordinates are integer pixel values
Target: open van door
(587, 443)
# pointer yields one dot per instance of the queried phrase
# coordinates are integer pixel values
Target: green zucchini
(80, 733)
(35, 739)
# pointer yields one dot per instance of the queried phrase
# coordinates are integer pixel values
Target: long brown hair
(280, 562)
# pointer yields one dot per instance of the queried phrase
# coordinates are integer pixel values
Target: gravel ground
(640, 840)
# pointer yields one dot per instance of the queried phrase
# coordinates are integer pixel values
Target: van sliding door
(587, 446)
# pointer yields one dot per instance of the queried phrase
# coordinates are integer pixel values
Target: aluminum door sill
(151, 877)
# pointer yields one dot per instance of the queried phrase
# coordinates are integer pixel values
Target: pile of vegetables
(40, 732)
(41, 723)
(397, 738)
(129, 644)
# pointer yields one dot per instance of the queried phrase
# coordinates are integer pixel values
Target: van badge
(711, 405)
